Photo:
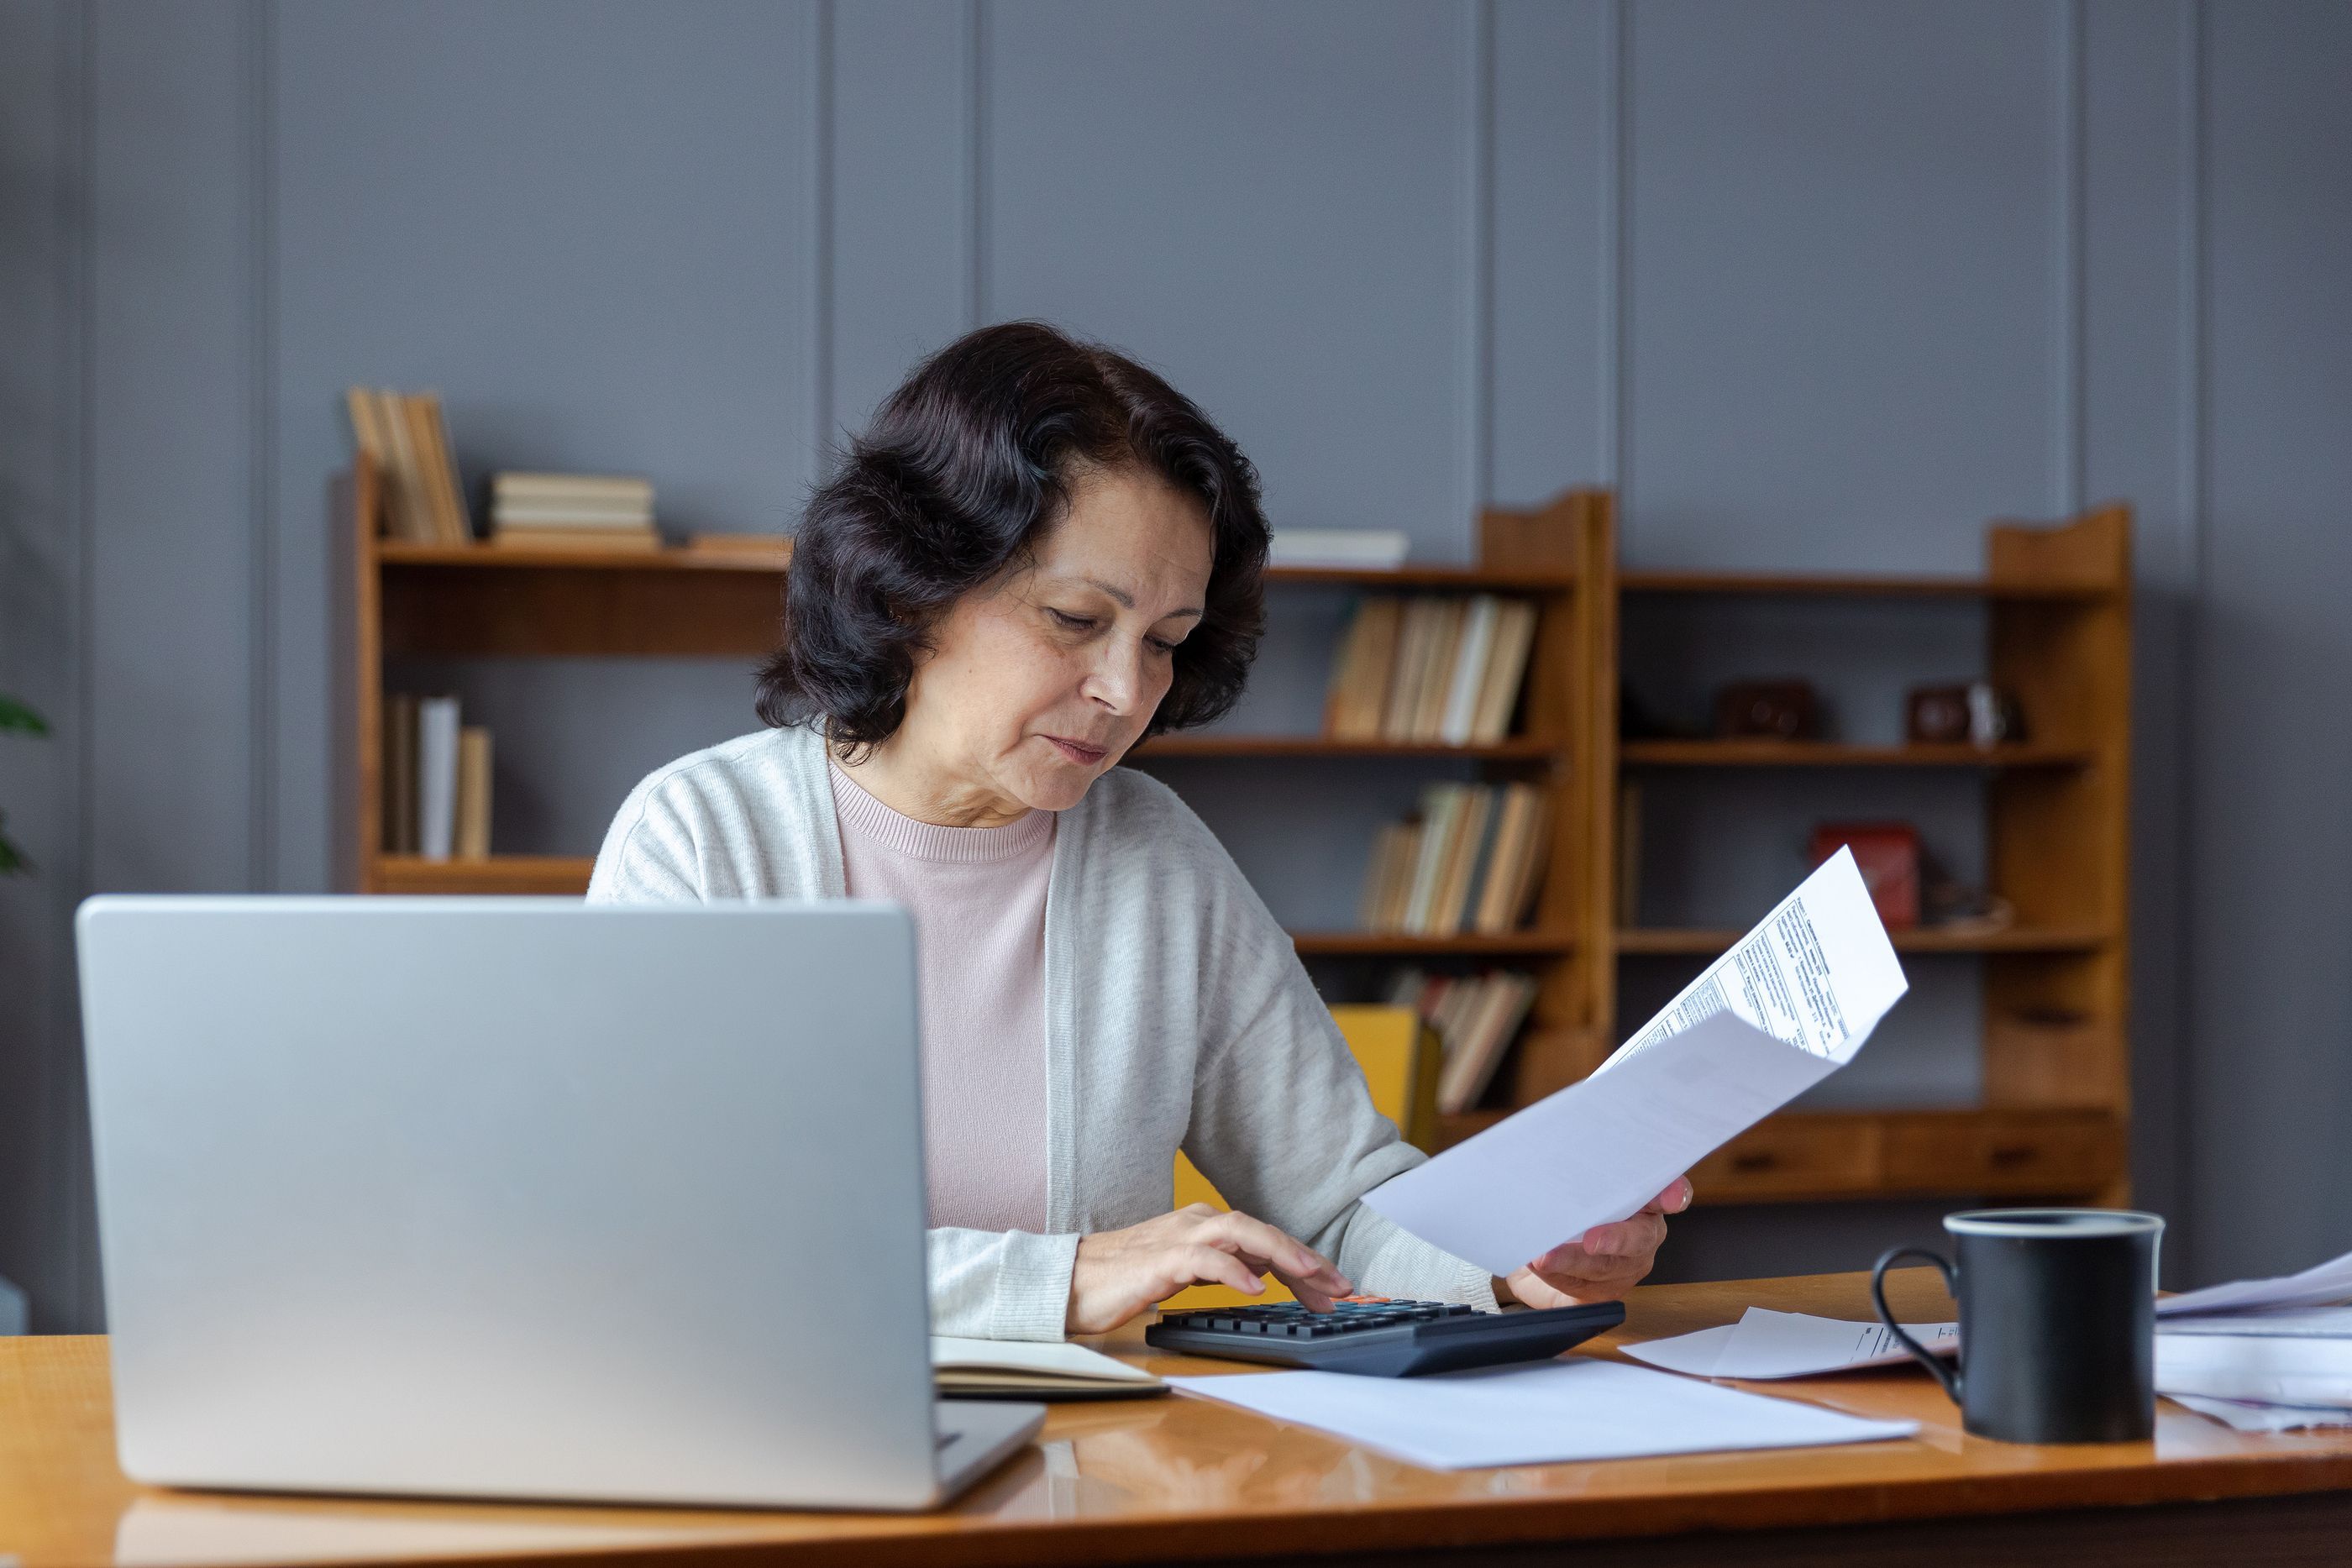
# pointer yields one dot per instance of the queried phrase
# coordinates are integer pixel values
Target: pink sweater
(978, 897)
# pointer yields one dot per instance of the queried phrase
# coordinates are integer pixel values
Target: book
(368, 435)
(473, 826)
(1468, 839)
(1504, 671)
(404, 487)
(1033, 1369)
(1504, 1002)
(1515, 824)
(575, 539)
(1392, 849)
(397, 787)
(1402, 695)
(1400, 882)
(1434, 684)
(1357, 549)
(570, 514)
(445, 498)
(1441, 803)
(1361, 672)
(509, 485)
(1467, 679)
(436, 776)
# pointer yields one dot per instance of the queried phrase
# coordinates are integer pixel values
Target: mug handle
(1950, 1376)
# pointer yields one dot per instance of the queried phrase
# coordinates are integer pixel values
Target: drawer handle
(2006, 1156)
(1754, 1162)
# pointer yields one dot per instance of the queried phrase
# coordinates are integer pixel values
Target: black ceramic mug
(2057, 1323)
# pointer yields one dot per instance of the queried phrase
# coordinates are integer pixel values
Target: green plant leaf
(14, 862)
(16, 716)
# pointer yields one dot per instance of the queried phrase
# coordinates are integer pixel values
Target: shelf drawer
(1789, 1157)
(2005, 1155)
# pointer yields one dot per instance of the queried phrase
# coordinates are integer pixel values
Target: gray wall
(1815, 283)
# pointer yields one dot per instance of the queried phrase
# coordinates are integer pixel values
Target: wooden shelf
(1836, 754)
(566, 875)
(1657, 940)
(1801, 1157)
(392, 553)
(1831, 584)
(1371, 945)
(1518, 748)
(1431, 579)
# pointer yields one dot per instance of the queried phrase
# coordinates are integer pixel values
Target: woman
(1039, 554)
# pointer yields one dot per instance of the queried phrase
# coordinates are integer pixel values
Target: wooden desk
(1177, 1480)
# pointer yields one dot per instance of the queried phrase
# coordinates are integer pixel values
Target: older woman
(1039, 554)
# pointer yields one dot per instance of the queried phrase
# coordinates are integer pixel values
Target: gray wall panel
(1268, 204)
(598, 245)
(1840, 254)
(42, 620)
(1553, 378)
(2272, 875)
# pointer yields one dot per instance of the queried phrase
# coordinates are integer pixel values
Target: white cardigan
(1177, 1014)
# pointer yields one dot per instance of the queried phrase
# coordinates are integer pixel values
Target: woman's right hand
(1120, 1272)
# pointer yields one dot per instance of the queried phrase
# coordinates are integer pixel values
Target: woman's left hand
(1601, 1265)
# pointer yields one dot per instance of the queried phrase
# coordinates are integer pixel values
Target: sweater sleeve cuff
(1032, 1299)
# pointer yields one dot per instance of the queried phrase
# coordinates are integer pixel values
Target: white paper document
(1788, 1006)
(1539, 1413)
(1818, 972)
(1766, 1343)
(2315, 1286)
(2246, 1416)
(2275, 1369)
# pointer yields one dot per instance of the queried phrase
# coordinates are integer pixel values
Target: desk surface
(1168, 1479)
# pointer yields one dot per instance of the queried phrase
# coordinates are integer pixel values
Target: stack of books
(1476, 1017)
(2262, 1355)
(1343, 549)
(406, 441)
(1472, 856)
(1431, 668)
(575, 511)
(437, 781)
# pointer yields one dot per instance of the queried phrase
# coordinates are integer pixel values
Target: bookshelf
(2054, 1116)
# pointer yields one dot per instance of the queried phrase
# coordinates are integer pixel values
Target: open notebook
(1023, 1369)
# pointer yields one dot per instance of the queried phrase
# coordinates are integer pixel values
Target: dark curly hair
(967, 463)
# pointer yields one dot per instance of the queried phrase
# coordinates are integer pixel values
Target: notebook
(1029, 1369)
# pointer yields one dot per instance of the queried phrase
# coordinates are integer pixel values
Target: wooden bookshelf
(2055, 1118)
(2055, 1115)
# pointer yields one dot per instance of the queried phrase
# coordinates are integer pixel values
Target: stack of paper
(1543, 1412)
(2262, 1355)
(1788, 1006)
(1765, 1344)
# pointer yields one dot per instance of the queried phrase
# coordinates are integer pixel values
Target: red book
(1887, 855)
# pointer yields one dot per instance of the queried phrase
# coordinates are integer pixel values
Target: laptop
(520, 1197)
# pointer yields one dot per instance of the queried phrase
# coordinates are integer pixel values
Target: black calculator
(1381, 1338)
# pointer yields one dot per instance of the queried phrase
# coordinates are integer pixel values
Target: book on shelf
(405, 438)
(1351, 549)
(1477, 1017)
(436, 788)
(1472, 858)
(589, 511)
(1430, 668)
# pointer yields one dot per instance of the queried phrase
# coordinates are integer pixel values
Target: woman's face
(1041, 679)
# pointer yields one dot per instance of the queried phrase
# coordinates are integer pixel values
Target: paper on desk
(2315, 1286)
(1788, 1006)
(1539, 1413)
(1766, 1343)
(2248, 1415)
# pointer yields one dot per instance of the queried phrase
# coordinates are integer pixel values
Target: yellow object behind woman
(1400, 1057)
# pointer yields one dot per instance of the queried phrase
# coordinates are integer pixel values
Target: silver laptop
(520, 1197)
